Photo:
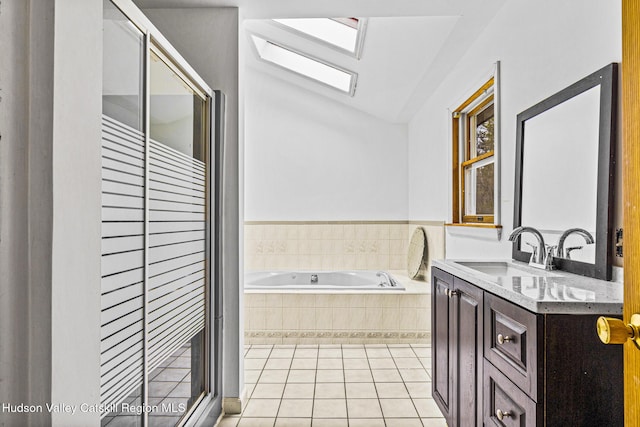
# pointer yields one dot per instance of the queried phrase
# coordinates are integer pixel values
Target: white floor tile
(274, 376)
(363, 408)
(402, 352)
(293, 422)
(261, 408)
(330, 353)
(330, 408)
(299, 363)
(353, 353)
(419, 390)
(374, 385)
(386, 375)
(275, 363)
(361, 390)
(427, 408)
(268, 391)
(398, 408)
(403, 422)
(299, 391)
(392, 391)
(256, 422)
(330, 376)
(302, 376)
(331, 422)
(386, 363)
(330, 364)
(330, 391)
(295, 408)
(358, 376)
(414, 375)
(360, 363)
(366, 422)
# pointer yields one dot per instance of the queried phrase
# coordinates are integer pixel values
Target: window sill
(491, 232)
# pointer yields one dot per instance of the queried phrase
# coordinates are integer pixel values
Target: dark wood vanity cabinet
(457, 312)
(495, 363)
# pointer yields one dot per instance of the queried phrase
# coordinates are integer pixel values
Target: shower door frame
(210, 403)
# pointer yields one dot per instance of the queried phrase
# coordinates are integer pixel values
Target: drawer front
(505, 405)
(511, 342)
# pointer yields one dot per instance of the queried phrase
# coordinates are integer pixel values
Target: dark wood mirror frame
(607, 78)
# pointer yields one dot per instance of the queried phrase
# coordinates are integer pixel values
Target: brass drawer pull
(504, 338)
(500, 415)
(450, 293)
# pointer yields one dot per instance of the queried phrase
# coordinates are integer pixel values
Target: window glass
(304, 65)
(176, 111)
(473, 147)
(340, 32)
(122, 76)
(484, 124)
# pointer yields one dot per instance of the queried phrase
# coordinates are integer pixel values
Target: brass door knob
(504, 338)
(500, 414)
(615, 331)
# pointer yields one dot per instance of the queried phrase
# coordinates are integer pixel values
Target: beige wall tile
(324, 300)
(307, 318)
(356, 300)
(273, 318)
(398, 231)
(340, 316)
(257, 319)
(374, 300)
(373, 317)
(390, 319)
(273, 300)
(290, 318)
(423, 320)
(408, 319)
(356, 319)
(324, 318)
(255, 300)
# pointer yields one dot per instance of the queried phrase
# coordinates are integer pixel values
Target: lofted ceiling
(409, 45)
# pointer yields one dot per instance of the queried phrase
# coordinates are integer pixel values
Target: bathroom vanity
(516, 346)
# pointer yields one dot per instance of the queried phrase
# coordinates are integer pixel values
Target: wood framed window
(474, 158)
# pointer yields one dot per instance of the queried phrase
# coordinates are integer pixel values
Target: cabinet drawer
(511, 342)
(502, 399)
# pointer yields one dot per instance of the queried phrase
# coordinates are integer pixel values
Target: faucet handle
(567, 251)
(550, 252)
(534, 252)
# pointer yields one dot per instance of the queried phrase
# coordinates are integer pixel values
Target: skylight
(344, 33)
(305, 65)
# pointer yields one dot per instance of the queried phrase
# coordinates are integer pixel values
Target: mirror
(565, 147)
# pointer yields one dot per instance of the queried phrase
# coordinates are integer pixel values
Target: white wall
(311, 158)
(14, 225)
(543, 47)
(50, 208)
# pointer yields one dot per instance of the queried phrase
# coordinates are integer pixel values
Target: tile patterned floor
(346, 385)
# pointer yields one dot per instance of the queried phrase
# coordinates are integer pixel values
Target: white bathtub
(311, 280)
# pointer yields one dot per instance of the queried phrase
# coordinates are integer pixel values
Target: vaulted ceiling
(409, 46)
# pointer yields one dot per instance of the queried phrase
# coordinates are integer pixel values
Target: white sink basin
(503, 269)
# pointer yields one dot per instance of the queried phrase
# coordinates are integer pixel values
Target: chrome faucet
(542, 256)
(564, 252)
(386, 275)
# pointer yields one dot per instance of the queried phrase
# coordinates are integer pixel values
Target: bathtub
(369, 280)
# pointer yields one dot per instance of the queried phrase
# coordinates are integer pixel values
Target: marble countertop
(539, 291)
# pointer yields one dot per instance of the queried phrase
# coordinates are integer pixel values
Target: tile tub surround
(336, 245)
(339, 317)
(338, 385)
